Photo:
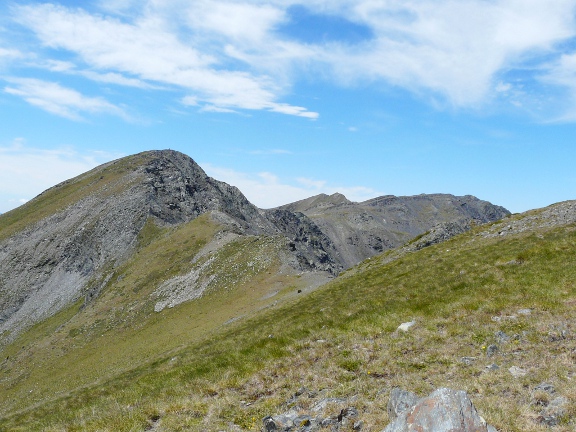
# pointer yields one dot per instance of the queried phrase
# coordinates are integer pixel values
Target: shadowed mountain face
(69, 241)
(361, 230)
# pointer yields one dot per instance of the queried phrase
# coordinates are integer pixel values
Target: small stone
(468, 360)
(524, 312)
(492, 367)
(406, 326)
(517, 372)
(358, 425)
(545, 387)
(491, 350)
(502, 337)
(300, 391)
(349, 412)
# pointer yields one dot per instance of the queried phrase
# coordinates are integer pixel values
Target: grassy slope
(341, 341)
(71, 191)
(119, 330)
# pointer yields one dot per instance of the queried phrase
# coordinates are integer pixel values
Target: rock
(553, 413)
(406, 326)
(517, 372)
(492, 367)
(502, 337)
(524, 312)
(491, 350)
(545, 387)
(468, 360)
(282, 422)
(400, 401)
(322, 403)
(445, 410)
(358, 425)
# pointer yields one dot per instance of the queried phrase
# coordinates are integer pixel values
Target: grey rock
(492, 367)
(502, 337)
(277, 423)
(517, 372)
(323, 403)
(524, 312)
(445, 410)
(400, 401)
(406, 326)
(468, 360)
(491, 350)
(358, 425)
(545, 387)
(554, 412)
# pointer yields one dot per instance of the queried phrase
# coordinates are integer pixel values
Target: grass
(338, 341)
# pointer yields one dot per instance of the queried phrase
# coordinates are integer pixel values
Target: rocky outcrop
(445, 410)
(312, 248)
(362, 230)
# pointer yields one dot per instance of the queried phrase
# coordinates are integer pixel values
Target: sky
(287, 99)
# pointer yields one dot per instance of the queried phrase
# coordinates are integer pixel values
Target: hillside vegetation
(340, 340)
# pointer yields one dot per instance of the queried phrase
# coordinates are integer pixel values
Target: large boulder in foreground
(445, 410)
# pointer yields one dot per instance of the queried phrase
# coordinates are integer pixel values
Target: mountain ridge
(66, 243)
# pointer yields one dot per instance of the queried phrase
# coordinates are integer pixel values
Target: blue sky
(288, 99)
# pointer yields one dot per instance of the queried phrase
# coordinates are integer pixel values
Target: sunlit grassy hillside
(340, 340)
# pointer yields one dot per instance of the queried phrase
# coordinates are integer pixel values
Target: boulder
(445, 410)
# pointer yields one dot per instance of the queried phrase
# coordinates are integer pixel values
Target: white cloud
(453, 48)
(228, 55)
(62, 101)
(267, 190)
(6, 53)
(26, 171)
(150, 49)
(563, 74)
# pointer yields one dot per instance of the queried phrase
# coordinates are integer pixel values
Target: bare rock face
(311, 247)
(445, 410)
(50, 263)
(361, 230)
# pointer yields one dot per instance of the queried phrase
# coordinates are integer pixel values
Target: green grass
(340, 340)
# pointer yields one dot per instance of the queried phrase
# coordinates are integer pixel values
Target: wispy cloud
(148, 48)
(23, 173)
(271, 152)
(230, 55)
(456, 49)
(62, 101)
(267, 190)
(563, 73)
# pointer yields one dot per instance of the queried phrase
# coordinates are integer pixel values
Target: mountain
(110, 272)
(362, 230)
(69, 241)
